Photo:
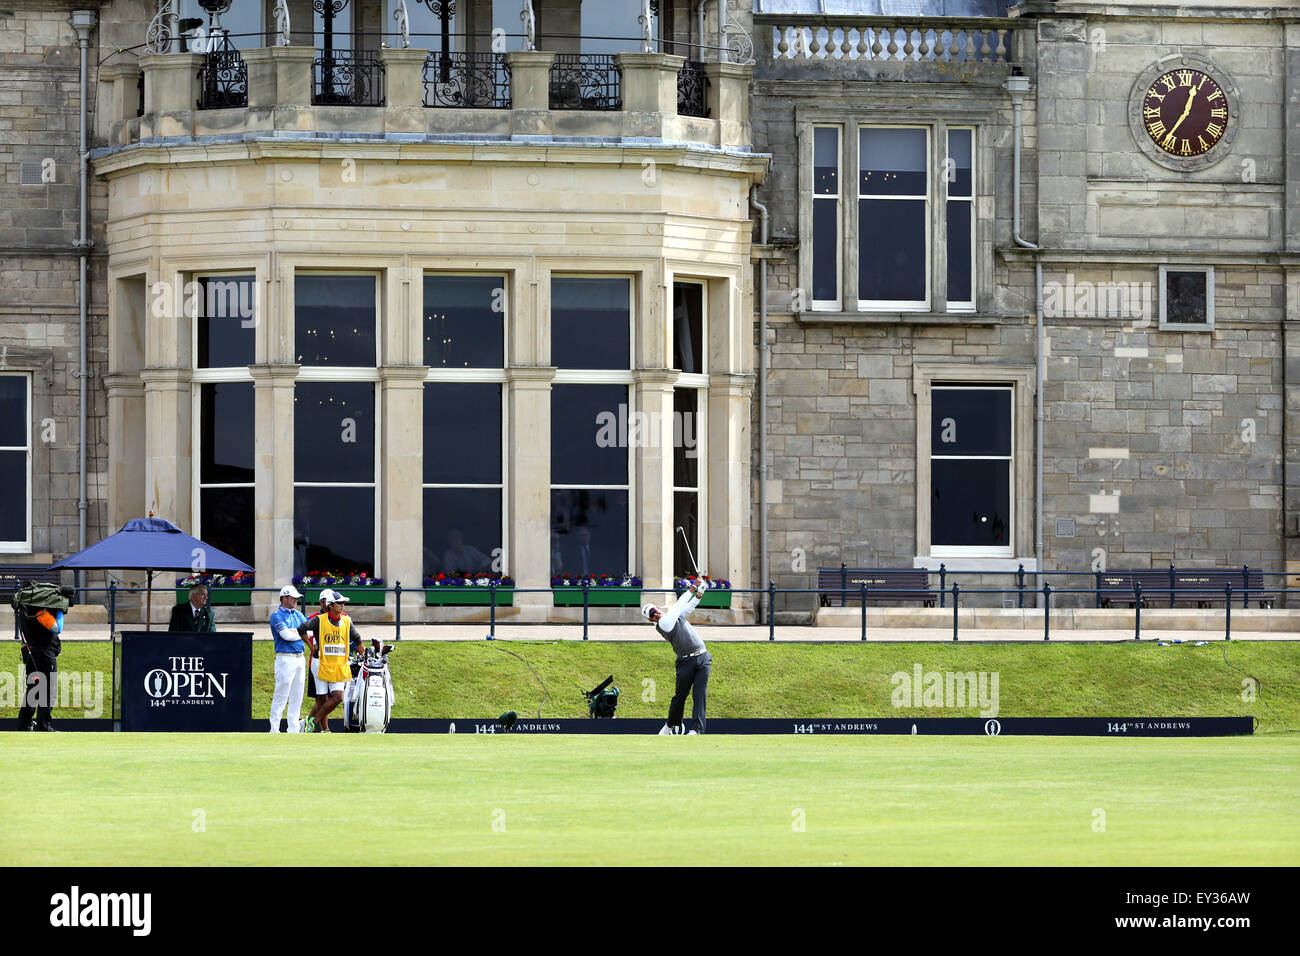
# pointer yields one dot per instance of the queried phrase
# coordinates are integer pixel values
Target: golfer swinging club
(693, 658)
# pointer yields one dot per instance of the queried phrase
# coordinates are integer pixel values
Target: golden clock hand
(1186, 110)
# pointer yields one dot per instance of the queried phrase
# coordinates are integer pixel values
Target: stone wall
(39, 124)
(1196, 417)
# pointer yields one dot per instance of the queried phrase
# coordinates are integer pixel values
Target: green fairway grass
(173, 799)
(480, 679)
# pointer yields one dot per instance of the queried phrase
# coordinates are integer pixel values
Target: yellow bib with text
(335, 640)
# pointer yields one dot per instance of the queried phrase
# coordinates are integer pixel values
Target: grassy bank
(475, 679)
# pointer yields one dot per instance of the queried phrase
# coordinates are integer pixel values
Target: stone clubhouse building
(521, 286)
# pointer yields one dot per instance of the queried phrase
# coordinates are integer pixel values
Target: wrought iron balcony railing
(223, 82)
(347, 78)
(585, 81)
(467, 80)
(692, 86)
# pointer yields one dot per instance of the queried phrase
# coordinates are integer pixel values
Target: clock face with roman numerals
(1185, 112)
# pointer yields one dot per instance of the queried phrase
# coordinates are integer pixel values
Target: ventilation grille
(1065, 527)
(30, 174)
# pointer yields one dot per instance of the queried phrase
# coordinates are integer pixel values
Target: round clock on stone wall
(1183, 112)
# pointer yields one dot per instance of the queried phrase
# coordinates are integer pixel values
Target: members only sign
(186, 682)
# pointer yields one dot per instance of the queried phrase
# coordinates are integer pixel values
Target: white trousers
(290, 681)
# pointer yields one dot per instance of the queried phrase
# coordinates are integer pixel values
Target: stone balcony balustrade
(280, 100)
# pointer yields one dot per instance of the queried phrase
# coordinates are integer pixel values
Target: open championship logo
(185, 683)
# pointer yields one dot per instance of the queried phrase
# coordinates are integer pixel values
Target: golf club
(687, 542)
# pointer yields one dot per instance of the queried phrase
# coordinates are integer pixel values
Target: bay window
(464, 348)
(225, 315)
(335, 423)
(690, 402)
(592, 430)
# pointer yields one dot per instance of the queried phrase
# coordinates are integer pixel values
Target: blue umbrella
(151, 544)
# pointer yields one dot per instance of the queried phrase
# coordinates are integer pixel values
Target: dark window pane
(891, 264)
(892, 162)
(688, 327)
(462, 528)
(686, 515)
(333, 529)
(959, 236)
(462, 433)
(227, 311)
(970, 421)
(590, 323)
(826, 250)
(334, 431)
(959, 151)
(334, 320)
(13, 503)
(970, 502)
(226, 433)
(591, 427)
(226, 521)
(464, 321)
(588, 531)
(826, 161)
(686, 437)
(1185, 294)
(14, 416)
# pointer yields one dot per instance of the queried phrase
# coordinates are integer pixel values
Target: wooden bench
(1117, 587)
(883, 584)
(1189, 587)
(12, 574)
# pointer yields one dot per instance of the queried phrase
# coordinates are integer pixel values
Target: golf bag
(368, 697)
(31, 597)
(603, 700)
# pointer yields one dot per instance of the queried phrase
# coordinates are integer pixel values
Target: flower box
(714, 597)
(359, 595)
(717, 596)
(598, 597)
(357, 586)
(239, 597)
(223, 589)
(471, 595)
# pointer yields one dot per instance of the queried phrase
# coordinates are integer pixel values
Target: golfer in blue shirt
(290, 665)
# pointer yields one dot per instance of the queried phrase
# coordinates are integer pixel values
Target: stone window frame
(625, 377)
(484, 375)
(1022, 380)
(1208, 324)
(25, 371)
(697, 382)
(929, 201)
(217, 375)
(320, 374)
(892, 108)
(835, 304)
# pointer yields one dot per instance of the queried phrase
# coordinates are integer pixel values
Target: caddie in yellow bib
(335, 640)
(331, 637)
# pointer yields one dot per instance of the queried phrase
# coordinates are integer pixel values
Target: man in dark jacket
(40, 628)
(194, 615)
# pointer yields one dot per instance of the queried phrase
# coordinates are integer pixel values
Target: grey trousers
(693, 679)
